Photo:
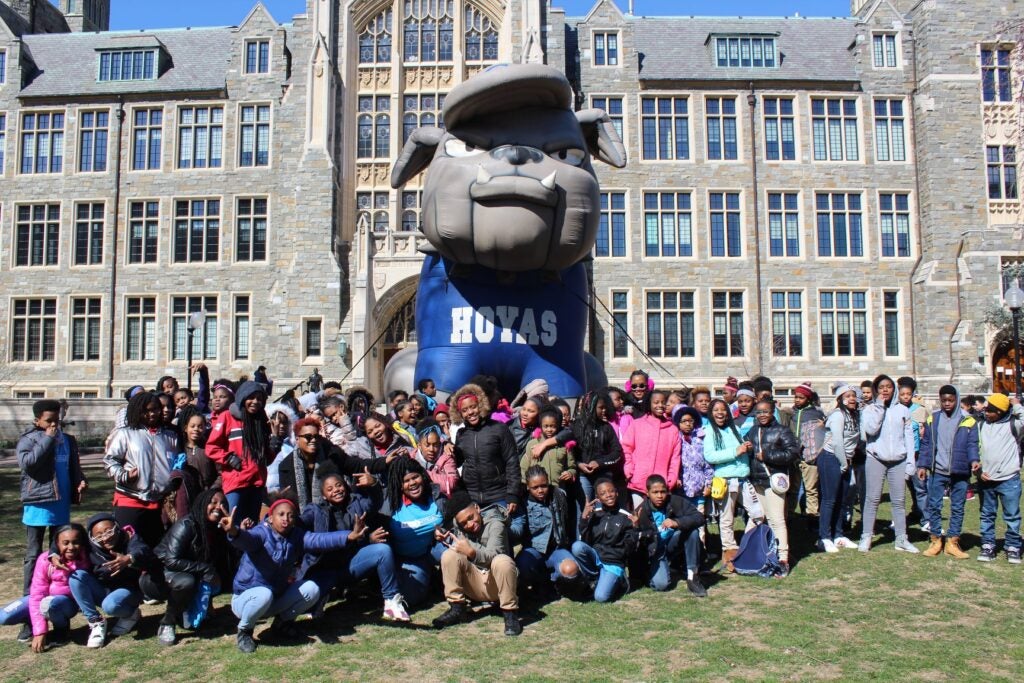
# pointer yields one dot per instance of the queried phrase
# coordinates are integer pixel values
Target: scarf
(306, 493)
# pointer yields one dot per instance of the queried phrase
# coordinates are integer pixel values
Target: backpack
(758, 554)
(812, 440)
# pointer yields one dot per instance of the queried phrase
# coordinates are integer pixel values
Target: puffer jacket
(271, 560)
(965, 445)
(324, 518)
(490, 465)
(612, 534)
(779, 449)
(888, 432)
(129, 543)
(226, 440)
(151, 454)
(651, 446)
(678, 509)
(180, 550)
(37, 458)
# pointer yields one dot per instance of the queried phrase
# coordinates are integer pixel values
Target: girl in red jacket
(240, 443)
(651, 446)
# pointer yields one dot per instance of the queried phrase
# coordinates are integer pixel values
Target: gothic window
(428, 30)
(481, 37)
(375, 40)
(403, 326)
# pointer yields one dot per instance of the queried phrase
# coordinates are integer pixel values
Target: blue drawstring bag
(200, 607)
(758, 554)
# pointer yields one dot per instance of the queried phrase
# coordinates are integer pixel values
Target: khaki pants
(774, 507)
(809, 474)
(727, 515)
(464, 581)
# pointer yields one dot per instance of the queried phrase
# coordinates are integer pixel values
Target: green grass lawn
(847, 616)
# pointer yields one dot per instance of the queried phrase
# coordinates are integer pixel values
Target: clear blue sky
(134, 14)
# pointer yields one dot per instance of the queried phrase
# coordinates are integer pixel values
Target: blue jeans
(833, 493)
(375, 557)
(994, 494)
(687, 542)
(62, 608)
(256, 603)
(919, 495)
(609, 585)
(92, 596)
(535, 568)
(248, 500)
(415, 573)
(937, 484)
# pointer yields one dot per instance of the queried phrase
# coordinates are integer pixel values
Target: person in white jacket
(889, 438)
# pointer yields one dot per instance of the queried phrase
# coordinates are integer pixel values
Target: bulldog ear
(603, 140)
(416, 155)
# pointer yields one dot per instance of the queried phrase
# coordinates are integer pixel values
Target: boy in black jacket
(609, 536)
(670, 524)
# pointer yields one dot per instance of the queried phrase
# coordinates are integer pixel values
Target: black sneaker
(987, 554)
(1013, 555)
(456, 614)
(513, 627)
(58, 636)
(696, 587)
(783, 570)
(245, 641)
(25, 634)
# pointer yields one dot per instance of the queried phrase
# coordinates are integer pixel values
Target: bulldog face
(513, 191)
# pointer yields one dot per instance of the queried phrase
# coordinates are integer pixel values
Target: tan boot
(727, 558)
(953, 548)
(934, 548)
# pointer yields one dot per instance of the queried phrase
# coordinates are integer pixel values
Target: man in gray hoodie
(1000, 475)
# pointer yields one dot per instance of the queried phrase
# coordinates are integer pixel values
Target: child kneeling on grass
(49, 595)
(609, 536)
(670, 528)
(271, 551)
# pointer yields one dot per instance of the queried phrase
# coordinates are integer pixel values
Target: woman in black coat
(775, 449)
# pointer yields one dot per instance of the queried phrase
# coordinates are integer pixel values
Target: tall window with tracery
(375, 40)
(481, 37)
(428, 30)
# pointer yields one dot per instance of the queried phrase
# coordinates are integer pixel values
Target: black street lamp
(1014, 298)
(195, 322)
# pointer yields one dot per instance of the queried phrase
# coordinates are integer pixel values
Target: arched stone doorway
(1004, 368)
(394, 320)
(401, 331)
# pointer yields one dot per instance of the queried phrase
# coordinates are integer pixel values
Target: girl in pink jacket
(49, 595)
(651, 446)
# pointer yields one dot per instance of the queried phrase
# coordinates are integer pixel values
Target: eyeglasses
(638, 386)
(106, 535)
(309, 437)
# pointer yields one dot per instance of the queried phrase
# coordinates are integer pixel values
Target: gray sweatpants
(875, 474)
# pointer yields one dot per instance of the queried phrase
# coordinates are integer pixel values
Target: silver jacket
(151, 455)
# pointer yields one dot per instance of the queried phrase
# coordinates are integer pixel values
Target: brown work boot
(935, 547)
(953, 548)
(727, 558)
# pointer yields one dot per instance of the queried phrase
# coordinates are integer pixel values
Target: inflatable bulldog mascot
(510, 208)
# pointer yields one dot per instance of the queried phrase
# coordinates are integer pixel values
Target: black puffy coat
(181, 550)
(487, 455)
(779, 448)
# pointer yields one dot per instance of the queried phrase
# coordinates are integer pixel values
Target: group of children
(284, 505)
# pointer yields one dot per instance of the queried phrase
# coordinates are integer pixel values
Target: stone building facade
(808, 198)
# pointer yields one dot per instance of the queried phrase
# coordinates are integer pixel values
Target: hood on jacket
(246, 391)
(273, 409)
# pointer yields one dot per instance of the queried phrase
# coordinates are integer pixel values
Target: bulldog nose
(517, 155)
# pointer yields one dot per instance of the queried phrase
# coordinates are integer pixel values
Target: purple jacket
(697, 473)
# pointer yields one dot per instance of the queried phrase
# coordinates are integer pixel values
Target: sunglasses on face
(105, 536)
(639, 386)
(309, 437)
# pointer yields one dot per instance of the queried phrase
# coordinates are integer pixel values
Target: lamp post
(195, 322)
(1014, 297)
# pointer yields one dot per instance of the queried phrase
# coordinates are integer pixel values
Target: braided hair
(397, 470)
(586, 429)
(256, 435)
(137, 408)
(184, 416)
(198, 515)
(729, 423)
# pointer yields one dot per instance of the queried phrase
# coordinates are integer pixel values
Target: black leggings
(148, 524)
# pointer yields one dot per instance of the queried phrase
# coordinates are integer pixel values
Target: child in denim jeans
(1000, 475)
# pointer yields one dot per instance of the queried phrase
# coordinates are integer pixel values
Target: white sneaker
(126, 624)
(827, 545)
(904, 545)
(394, 609)
(97, 633)
(926, 527)
(865, 544)
(844, 542)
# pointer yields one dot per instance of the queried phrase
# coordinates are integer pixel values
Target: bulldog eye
(570, 156)
(457, 148)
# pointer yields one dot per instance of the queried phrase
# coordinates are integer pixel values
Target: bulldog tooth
(549, 182)
(482, 176)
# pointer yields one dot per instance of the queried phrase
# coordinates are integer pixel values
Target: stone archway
(395, 316)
